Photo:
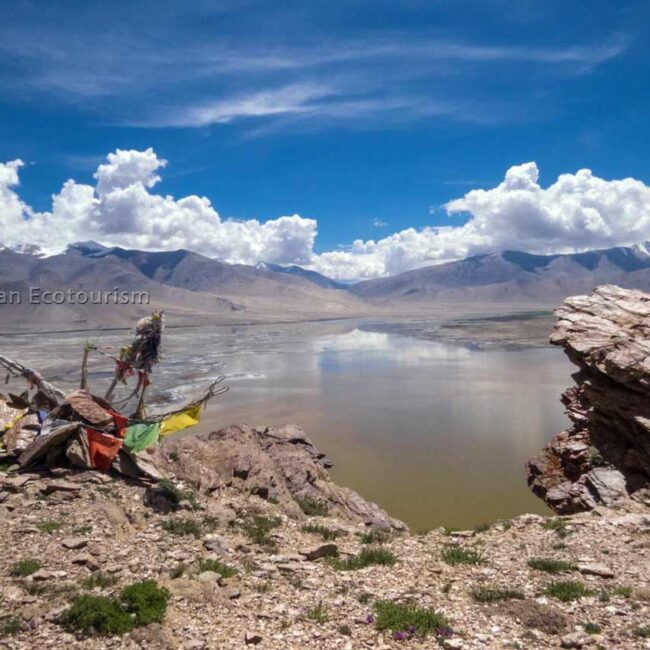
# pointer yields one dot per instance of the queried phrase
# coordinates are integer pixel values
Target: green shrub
(146, 601)
(318, 614)
(258, 528)
(328, 534)
(592, 628)
(624, 592)
(24, 568)
(367, 557)
(567, 590)
(176, 495)
(481, 528)
(550, 565)
(219, 567)
(457, 555)
(98, 579)
(49, 526)
(374, 537)
(642, 632)
(345, 630)
(97, 615)
(10, 626)
(397, 617)
(178, 571)
(181, 526)
(558, 525)
(486, 594)
(311, 507)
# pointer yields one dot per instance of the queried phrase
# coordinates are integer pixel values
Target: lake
(436, 433)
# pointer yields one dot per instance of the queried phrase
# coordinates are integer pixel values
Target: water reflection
(436, 433)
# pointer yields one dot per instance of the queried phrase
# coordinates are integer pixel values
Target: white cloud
(577, 212)
(122, 211)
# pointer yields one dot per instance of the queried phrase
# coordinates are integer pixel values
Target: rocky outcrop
(605, 456)
(280, 465)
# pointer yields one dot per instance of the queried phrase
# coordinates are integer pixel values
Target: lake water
(437, 434)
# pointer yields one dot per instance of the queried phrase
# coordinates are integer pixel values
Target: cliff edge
(604, 457)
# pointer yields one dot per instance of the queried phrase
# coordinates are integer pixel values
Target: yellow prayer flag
(179, 421)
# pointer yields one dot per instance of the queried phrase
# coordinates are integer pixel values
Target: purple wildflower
(370, 620)
(399, 636)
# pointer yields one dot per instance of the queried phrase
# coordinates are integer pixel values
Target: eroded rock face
(276, 464)
(605, 456)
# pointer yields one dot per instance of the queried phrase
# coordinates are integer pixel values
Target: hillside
(191, 288)
(514, 277)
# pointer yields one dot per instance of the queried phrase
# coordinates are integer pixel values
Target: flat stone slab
(74, 543)
(595, 569)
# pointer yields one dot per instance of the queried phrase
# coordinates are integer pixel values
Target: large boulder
(605, 456)
(276, 464)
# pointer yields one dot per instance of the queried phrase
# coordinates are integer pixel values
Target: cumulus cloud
(121, 210)
(577, 212)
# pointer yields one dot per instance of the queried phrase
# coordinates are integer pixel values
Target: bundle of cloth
(85, 431)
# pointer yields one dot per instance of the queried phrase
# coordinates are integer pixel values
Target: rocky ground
(92, 533)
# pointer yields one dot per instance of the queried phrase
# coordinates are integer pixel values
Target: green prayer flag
(141, 436)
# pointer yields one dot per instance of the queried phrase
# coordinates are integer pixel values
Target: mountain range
(194, 289)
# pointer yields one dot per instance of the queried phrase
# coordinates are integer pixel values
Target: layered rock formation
(605, 456)
(281, 465)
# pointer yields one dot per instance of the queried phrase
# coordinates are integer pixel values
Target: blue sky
(365, 117)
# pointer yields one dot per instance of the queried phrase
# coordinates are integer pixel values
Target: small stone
(324, 550)
(61, 486)
(453, 644)
(462, 533)
(252, 639)
(595, 569)
(216, 543)
(43, 574)
(74, 543)
(234, 594)
(208, 576)
(194, 644)
(575, 640)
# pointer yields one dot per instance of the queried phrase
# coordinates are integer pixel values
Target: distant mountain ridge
(195, 289)
(191, 288)
(514, 276)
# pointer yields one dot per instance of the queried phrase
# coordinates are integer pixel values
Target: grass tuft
(24, 568)
(558, 525)
(219, 567)
(318, 614)
(98, 579)
(549, 565)
(258, 529)
(455, 555)
(10, 626)
(367, 557)
(486, 594)
(49, 526)
(592, 628)
(328, 534)
(311, 507)
(182, 527)
(567, 590)
(374, 537)
(398, 617)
